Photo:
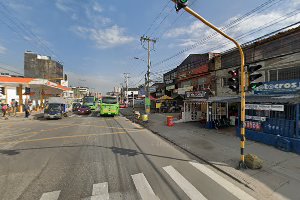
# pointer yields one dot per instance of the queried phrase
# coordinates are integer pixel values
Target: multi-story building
(39, 66)
(278, 54)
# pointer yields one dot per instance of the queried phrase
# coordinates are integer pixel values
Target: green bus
(109, 106)
(90, 101)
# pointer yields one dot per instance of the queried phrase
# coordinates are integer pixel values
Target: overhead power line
(22, 30)
(235, 22)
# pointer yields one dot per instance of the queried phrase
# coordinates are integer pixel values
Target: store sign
(184, 89)
(197, 94)
(264, 107)
(152, 89)
(257, 118)
(170, 87)
(169, 81)
(279, 87)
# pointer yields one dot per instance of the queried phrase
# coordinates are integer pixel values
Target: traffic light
(180, 4)
(2, 90)
(234, 84)
(27, 90)
(252, 77)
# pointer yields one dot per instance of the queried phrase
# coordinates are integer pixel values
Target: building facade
(39, 66)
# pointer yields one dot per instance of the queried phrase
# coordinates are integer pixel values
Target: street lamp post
(183, 4)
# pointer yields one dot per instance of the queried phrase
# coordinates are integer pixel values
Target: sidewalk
(21, 116)
(278, 179)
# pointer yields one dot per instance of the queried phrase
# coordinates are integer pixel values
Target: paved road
(101, 158)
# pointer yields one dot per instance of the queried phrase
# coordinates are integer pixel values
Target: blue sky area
(97, 40)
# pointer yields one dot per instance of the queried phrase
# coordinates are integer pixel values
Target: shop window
(289, 73)
(273, 75)
(284, 74)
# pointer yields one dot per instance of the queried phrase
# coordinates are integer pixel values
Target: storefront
(273, 115)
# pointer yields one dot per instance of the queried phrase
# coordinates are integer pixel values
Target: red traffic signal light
(234, 84)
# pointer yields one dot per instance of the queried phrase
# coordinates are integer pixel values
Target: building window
(273, 75)
(284, 74)
(225, 82)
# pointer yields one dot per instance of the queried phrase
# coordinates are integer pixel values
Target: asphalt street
(101, 158)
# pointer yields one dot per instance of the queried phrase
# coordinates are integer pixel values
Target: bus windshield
(109, 100)
(89, 99)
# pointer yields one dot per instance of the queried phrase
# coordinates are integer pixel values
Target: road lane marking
(100, 191)
(35, 132)
(184, 184)
(50, 195)
(143, 187)
(69, 136)
(236, 191)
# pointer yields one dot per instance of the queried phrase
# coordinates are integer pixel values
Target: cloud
(250, 28)
(2, 49)
(63, 5)
(97, 7)
(105, 38)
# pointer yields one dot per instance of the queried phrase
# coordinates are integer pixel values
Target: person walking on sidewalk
(27, 110)
(4, 109)
(16, 107)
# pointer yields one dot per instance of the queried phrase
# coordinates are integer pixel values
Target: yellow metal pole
(243, 79)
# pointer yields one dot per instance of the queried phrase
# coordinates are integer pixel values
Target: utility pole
(126, 82)
(148, 40)
(179, 4)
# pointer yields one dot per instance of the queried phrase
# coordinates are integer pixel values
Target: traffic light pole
(243, 79)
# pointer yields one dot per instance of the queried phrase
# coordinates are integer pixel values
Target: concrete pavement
(84, 157)
(278, 179)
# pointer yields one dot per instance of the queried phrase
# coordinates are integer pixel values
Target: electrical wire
(226, 27)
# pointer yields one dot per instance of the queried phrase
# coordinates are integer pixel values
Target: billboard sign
(197, 94)
(264, 107)
(279, 87)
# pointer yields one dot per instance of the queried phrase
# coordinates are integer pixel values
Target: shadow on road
(9, 152)
(115, 150)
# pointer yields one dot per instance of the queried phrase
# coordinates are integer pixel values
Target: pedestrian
(13, 107)
(27, 110)
(16, 107)
(4, 110)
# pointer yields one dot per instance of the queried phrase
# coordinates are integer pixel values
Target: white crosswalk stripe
(143, 187)
(184, 184)
(234, 190)
(50, 195)
(100, 190)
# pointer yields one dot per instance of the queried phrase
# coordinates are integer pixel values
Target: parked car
(75, 106)
(84, 110)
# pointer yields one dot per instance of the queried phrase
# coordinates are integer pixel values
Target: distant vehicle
(109, 106)
(84, 110)
(123, 105)
(53, 111)
(75, 106)
(90, 101)
(55, 108)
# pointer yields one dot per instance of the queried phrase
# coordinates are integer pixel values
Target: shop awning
(292, 99)
(16, 81)
(165, 97)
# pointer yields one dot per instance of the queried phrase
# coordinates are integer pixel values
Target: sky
(97, 40)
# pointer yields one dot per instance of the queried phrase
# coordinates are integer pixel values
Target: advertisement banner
(279, 87)
(264, 107)
(184, 89)
(170, 87)
(197, 94)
